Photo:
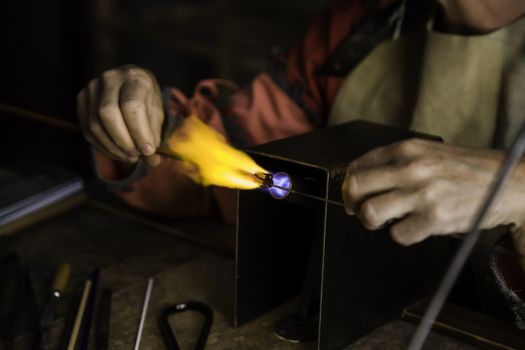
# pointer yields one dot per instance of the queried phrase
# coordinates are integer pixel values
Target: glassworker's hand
(121, 114)
(428, 188)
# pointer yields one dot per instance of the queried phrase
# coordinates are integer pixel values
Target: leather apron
(442, 84)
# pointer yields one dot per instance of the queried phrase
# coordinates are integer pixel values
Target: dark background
(51, 49)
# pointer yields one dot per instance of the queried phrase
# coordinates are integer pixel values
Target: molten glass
(210, 160)
(282, 185)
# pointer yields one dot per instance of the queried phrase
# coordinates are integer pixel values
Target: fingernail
(133, 153)
(147, 149)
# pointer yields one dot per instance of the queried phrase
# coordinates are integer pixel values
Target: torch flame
(210, 160)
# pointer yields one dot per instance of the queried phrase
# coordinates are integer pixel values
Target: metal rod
(147, 297)
(79, 316)
(514, 155)
(309, 195)
(41, 118)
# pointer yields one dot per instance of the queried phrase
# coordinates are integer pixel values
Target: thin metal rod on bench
(147, 297)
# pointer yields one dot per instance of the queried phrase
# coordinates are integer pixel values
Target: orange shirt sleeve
(265, 110)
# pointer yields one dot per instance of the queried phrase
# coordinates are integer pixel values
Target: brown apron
(448, 85)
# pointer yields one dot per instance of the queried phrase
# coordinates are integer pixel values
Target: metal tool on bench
(58, 287)
(167, 332)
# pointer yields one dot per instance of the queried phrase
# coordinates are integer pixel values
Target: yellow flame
(210, 160)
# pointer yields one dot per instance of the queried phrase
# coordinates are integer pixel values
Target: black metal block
(305, 245)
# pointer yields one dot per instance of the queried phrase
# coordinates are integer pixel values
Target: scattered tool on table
(71, 345)
(167, 333)
(58, 288)
(147, 297)
(90, 310)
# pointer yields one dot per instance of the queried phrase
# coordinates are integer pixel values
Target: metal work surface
(128, 253)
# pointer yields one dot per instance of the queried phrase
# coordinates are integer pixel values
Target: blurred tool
(147, 297)
(58, 288)
(103, 320)
(90, 309)
(38, 201)
(79, 316)
(18, 308)
(167, 333)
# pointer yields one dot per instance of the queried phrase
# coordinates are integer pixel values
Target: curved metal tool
(167, 333)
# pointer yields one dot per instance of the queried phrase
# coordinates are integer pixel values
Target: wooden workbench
(188, 261)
